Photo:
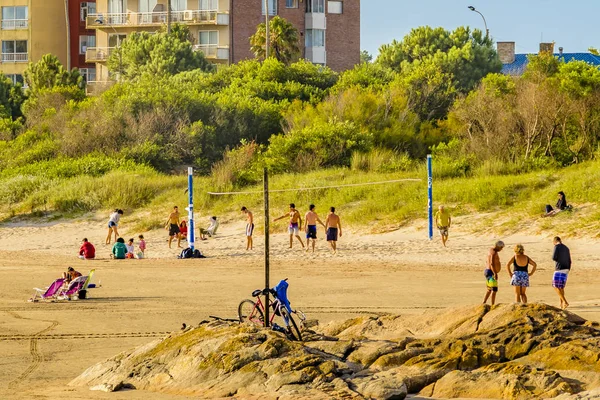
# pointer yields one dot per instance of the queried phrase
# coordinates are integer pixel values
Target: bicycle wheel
(292, 328)
(248, 311)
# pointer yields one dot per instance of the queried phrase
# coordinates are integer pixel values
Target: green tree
(366, 57)
(157, 54)
(466, 55)
(49, 73)
(283, 41)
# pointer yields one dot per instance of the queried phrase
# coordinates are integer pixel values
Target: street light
(487, 31)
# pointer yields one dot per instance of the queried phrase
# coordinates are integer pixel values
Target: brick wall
(76, 28)
(343, 37)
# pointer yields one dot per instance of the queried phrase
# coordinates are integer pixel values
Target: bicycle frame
(260, 305)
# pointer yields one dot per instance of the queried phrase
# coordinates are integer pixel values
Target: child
(142, 246)
(130, 249)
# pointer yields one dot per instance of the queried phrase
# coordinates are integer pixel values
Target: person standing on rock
(492, 269)
(520, 276)
(562, 257)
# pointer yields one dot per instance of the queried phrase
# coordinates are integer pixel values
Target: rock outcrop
(508, 351)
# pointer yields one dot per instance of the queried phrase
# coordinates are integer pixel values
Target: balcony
(213, 51)
(98, 54)
(97, 87)
(15, 57)
(188, 17)
(12, 24)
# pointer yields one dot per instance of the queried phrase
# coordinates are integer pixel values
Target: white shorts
(249, 229)
(293, 229)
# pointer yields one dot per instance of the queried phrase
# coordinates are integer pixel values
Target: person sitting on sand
(561, 205)
(119, 250)
(130, 249)
(87, 251)
(212, 228)
(491, 271)
(520, 276)
(562, 257)
(183, 229)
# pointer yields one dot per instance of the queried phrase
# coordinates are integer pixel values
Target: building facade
(329, 30)
(81, 37)
(29, 29)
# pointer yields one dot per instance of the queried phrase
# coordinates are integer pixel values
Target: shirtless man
(173, 226)
(249, 227)
(312, 218)
(491, 271)
(333, 227)
(295, 224)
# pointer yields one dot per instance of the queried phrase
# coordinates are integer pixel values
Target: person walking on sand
(173, 226)
(113, 222)
(333, 228)
(520, 276)
(562, 257)
(491, 271)
(249, 227)
(311, 218)
(443, 222)
(295, 224)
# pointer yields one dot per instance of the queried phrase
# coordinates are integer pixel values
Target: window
(272, 7)
(179, 5)
(88, 74)
(209, 5)
(85, 42)
(210, 38)
(315, 38)
(14, 51)
(335, 7)
(145, 6)
(16, 78)
(315, 6)
(86, 8)
(115, 40)
(116, 7)
(291, 3)
(14, 17)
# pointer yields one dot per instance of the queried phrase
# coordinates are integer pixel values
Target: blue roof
(521, 61)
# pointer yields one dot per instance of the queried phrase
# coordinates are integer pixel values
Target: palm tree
(283, 41)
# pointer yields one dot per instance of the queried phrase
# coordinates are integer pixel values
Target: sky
(571, 24)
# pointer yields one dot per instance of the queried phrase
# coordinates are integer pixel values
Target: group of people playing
(518, 269)
(332, 225)
(179, 229)
(122, 251)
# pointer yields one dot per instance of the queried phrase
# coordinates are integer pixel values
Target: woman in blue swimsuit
(520, 275)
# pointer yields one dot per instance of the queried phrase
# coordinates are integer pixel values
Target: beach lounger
(57, 291)
(48, 293)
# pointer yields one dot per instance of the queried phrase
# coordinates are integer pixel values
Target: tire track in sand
(37, 357)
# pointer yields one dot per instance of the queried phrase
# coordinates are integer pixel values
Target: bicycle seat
(256, 293)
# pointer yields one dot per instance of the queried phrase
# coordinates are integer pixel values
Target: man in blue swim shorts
(295, 224)
(333, 228)
(562, 257)
(311, 219)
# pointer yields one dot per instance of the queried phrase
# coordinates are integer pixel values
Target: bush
(238, 167)
(381, 160)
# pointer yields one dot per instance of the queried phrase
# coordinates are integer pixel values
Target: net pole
(267, 285)
(191, 235)
(430, 196)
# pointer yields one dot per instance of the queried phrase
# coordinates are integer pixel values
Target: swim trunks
(173, 230)
(443, 230)
(490, 281)
(293, 229)
(311, 232)
(332, 234)
(559, 280)
(249, 229)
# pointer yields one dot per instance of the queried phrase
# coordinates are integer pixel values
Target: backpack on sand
(186, 253)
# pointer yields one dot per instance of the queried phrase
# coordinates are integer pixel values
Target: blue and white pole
(191, 208)
(430, 196)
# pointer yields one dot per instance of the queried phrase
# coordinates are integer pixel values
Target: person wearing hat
(491, 271)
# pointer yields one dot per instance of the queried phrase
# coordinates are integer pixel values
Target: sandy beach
(43, 346)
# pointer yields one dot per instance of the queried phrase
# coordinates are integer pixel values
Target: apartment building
(32, 28)
(29, 29)
(329, 30)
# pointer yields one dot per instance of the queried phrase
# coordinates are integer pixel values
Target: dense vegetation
(434, 92)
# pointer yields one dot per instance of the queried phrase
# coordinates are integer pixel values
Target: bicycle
(254, 311)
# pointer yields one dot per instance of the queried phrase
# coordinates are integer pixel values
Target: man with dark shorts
(491, 271)
(249, 227)
(295, 224)
(312, 218)
(333, 228)
(173, 226)
(562, 257)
